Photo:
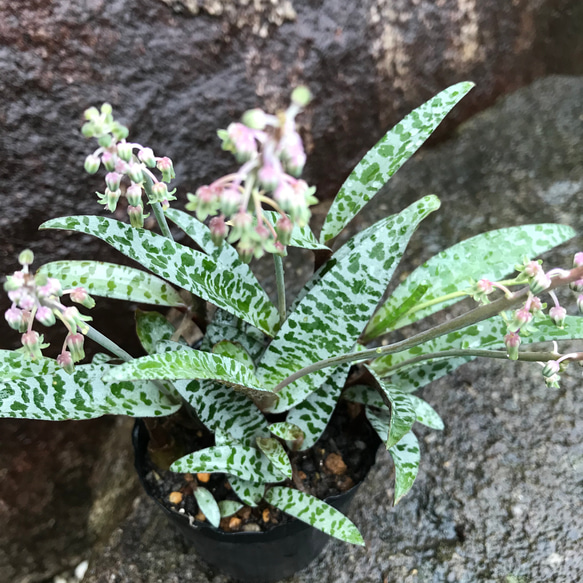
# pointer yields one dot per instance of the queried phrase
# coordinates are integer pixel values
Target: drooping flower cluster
(37, 298)
(272, 157)
(126, 160)
(523, 320)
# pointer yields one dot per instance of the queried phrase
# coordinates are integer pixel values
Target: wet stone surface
(499, 492)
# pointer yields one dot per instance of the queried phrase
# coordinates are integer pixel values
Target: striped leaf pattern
(250, 493)
(119, 282)
(406, 457)
(231, 289)
(314, 512)
(352, 287)
(82, 395)
(387, 156)
(490, 255)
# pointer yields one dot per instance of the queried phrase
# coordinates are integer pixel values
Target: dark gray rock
(499, 492)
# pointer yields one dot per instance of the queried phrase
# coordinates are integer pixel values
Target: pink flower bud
(80, 296)
(124, 151)
(51, 288)
(551, 368)
(27, 301)
(577, 286)
(167, 168)
(146, 155)
(532, 268)
(536, 304)
(121, 166)
(65, 361)
(557, 315)
(45, 316)
(292, 153)
(14, 282)
(243, 140)
(512, 342)
(15, 319)
(485, 286)
(75, 345)
(135, 172)
(109, 160)
(578, 260)
(284, 228)
(219, 230)
(31, 341)
(284, 195)
(159, 192)
(134, 194)
(552, 382)
(246, 252)
(521, 318)
(112, 179)
(539, 283)
(92, 164)
(230, 200)
(136, 214)
(269, 174)
(111, 199)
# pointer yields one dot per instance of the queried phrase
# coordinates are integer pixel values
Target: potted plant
(262, 418)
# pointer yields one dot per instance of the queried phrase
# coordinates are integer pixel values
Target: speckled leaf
(387, 156)
(225, 326)
(152, 328)
(488, 334)
(15, 364)
(380, 420)
(241, 461)
(81, 395)
(234, 350)
(221, 408)
(314, 512)
(231, 289)
(287, 431)
(300, 237)
(276, 455)
(365, 395)
(208, 506)
(248, 492)
(426, 414)
(490, 255)
(229, 507)
(406, 457)
(188, 364)
(402, 414)
(329, 318)
(313, 414)
(108, 280)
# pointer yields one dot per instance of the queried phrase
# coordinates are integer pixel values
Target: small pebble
(335, 464)
(251, 527)
(200, 516)
(265, 515)
(175, 497)
(235, 523)
(203, 477)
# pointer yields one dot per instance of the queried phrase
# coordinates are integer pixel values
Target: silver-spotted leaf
(276, 454)
(152, 328)
(244, 462)
(234, 350)
(490, 255)
(15, 364)
(314, 512)
(208, 506)
(229, 507)
(248, 492)
(233, 289)
(119, 282)
(352, 285)
(365, 395)
(426, 414)
(406, 457)
(387, 156)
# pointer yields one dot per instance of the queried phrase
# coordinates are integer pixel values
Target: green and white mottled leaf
(351, 286)
(314, 512)
(234, 350)
(233, 289)
(490, 255)
(300, 237)
(365, 395)
(276, 455)
(152, 328)
(208, 506)
(244, 462)
(380, 421)
(225, 326)
(387, 156)
(313, 414)
(406, 457)
(58, 396)
(402, 414)
(188, 364)
(229, 507)
(248, 492)
(426, 414)
(15, 364)
(101, 358)
(119, 282)
(488, 334)
(221, 409)
(287, 431)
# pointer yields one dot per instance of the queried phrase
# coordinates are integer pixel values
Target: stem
(279, 278)
(502, 354)
(108, 344)
(473, 317)
(157, 209)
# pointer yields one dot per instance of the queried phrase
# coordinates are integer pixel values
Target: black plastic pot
(258, 557)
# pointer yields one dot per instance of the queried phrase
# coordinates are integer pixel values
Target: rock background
(174, 73)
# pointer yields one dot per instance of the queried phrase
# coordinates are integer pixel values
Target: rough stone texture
(499, 492)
